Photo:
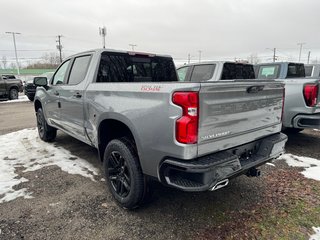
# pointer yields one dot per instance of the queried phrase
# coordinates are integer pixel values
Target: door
(52, 106)
(71, 98)
(2, 86)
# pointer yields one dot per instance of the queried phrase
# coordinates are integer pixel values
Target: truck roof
(272, 63)
(101, 50)
(213, 62)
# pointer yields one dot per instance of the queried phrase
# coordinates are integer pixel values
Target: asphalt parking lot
(280, 204)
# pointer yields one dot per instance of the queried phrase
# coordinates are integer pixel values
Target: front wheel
(13, 94)
(123, 173)
(46, 132)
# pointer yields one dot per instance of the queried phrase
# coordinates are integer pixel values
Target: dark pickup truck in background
(10, 87)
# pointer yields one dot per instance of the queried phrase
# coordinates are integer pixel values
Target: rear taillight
(310, 93)
(187, 124)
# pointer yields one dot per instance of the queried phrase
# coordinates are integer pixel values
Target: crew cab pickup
(193, 136)
(10, 87)
(215, 71)
(301, 105)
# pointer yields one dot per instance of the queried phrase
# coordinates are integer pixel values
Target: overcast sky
(221, 29)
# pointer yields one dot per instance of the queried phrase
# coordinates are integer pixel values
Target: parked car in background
(10, 87)
(214, 71)
(30, 88)
(312, 70)
(301, 105)
(8, 76)
(192, 136)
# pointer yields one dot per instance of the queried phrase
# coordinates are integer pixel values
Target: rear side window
(268, 72)
(295, 70)
(121, 67)
(79, 69)
(308, 70)
(237, 71)
(202, 72)
(182, 73)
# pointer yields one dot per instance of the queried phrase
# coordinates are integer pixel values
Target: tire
(13, 94)
(123, 173)
(293, 130)
(46, 132)
(31, 98)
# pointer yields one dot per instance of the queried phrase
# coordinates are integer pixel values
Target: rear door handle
(77, 95)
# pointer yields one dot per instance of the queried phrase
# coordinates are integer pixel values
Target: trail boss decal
(150, 88)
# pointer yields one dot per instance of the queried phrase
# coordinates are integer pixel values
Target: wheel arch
(112, 128)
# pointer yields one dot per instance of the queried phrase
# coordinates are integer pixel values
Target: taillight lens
(187, 125)
(310, 93)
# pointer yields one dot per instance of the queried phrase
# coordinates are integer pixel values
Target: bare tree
(253, 58)
(4, 62)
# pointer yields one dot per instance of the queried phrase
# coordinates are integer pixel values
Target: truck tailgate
(237, 112)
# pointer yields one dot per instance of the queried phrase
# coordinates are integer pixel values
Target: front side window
(268, 72)
(202, 72)
(182, 73)
(60, 75)
(122, 67)
(79, 69)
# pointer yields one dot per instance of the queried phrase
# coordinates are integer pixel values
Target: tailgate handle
(255, 89)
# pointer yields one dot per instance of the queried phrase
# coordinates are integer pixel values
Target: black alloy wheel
(119, 174)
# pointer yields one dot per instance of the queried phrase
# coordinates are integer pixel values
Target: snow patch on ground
(24, 151)
(315, 236)
(311, 165)
(317, 130)
(22, 98)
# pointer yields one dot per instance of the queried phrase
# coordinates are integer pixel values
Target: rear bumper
(203, 173)
(307, 121)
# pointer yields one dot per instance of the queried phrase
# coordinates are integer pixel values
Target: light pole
(15, 49)
(274, 53)
(301, 44)
(200, 55)
(103, 33)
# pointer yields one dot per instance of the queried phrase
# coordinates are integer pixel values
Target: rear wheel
(123, 173)
(13, 94)
(46, 132)
(31, 98)
(293, 130)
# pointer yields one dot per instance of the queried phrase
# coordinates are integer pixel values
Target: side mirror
(40, 81)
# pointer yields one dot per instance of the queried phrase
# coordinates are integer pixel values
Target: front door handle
(56, 93)
(77, 95)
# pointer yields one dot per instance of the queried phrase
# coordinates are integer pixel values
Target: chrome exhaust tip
(220, 184)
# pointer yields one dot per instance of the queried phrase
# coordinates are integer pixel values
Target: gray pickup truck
(10, 87)
(215, 71)
(302, 105)
(193, 136)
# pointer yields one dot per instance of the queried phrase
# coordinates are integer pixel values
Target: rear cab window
(203, 72)
(295, 70)
(268, 71)
(237, 71)
(122, 67)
